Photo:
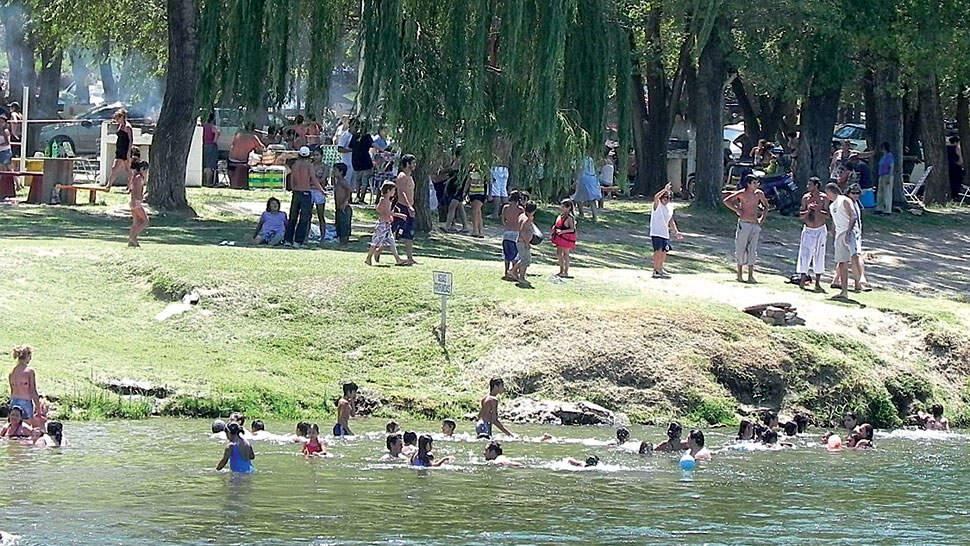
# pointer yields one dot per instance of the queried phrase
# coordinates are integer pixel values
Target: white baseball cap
(304, 151)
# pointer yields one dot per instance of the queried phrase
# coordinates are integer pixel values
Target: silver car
(84, 131)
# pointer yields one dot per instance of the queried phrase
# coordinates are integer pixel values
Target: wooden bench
(72, 190)
(6, 179)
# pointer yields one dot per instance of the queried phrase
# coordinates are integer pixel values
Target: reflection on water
(153, 483)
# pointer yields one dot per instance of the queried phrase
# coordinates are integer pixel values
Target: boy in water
(673, 442)
(488, 415)
(493, 454)
(395, 446)
(448, 427)
(410, 443)
(510, 234)
(392, 427)
(23, 387)
(345, 410)
(936, 421)
(622, 436)
(695, 443)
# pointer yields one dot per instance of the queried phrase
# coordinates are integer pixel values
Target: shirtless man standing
(243, 143)
(751, 206)
(488, 415)
(510, 231)
(404, 227)
(23, 387)
(811, 247)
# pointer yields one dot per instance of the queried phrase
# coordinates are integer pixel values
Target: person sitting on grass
(272, 224)
(495, 455)
(395, 447)
(383, 234)
(346, 408)
(564, 237)
(314, 447)
(239, 453)
(661, 223)
(423, 457)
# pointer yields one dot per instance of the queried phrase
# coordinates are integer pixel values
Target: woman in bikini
(16, 427)
(122, 163)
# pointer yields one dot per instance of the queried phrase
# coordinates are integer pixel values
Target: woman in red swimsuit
(564, 237)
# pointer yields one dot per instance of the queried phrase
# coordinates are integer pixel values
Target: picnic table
(8, 186)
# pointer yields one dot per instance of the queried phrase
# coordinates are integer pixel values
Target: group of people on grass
(820, 206)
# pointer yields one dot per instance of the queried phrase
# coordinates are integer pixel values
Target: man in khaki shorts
(751, 206)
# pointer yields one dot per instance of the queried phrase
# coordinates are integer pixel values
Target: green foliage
(710, 410)
(907, 388)
(96, 404)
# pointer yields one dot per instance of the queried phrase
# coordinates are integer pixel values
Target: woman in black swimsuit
(122, 163)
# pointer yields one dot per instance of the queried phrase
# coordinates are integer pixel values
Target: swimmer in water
(673, 443)
(395, 446)
(314, 447)
(802, 421)
(695, 443)
(258, 431)
(302, 431)
(410, 443)
(423, 457)
(392, 427)
(238, 418)
(239, 453)
(622, 436)
(494, 455)
(218, 430)
(590, 461)
(345, 410)
(770, 439)
(770, 420)
(746, 431)
(850, 421)
(936, 421)
(861, 437)
(488, 414)
(646, 448)
(791, 428)
(448, 427)
(54, 436)
(16, 426)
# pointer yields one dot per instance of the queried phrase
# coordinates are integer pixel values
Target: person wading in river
(811, 247)
(751, 206)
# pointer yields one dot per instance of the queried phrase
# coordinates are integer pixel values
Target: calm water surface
(152, 482)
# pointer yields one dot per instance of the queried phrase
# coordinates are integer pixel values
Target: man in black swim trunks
(404, 227)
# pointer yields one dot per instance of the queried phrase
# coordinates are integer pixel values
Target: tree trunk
(79, 69)
(176, 121)
(752, 125)
(934, 143)
(49, 84)
(911, 122)
(819, 111)
(709, 108)
(422, 213)
(963, 127)
(20, 56)
(107, 74)
(885, 123)
(640, 115)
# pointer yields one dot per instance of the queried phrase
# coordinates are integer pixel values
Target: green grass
(277, 331)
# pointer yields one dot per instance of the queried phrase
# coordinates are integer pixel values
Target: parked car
(731, 133)
(229, 120)
(84, 131)
(855, 133)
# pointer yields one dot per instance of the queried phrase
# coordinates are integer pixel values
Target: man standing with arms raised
(751, 206)
(404, 227)
(811, 247)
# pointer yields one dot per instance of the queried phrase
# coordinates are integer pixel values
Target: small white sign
(442, 283)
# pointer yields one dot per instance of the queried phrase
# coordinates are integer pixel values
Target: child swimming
(302, 431)
(395, 446)
(410, 439)
(239, 453)
(345, 410)
(590, 461)
(424, 458)
(313, 446)
(16, 426)
(746, 431)
(695, 443)
(54, 436)
(392, 427)
(488, 414)
(622, 436)
(495, 455)
(673, 443)
(448, 427)
(936, 421)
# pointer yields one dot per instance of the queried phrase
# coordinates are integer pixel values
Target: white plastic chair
(912, 190)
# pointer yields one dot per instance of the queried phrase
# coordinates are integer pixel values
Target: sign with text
(442, 283)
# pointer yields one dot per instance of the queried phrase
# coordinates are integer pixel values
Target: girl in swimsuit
(136, 187)
(239, 453)
(122, 163)
(313, 446)
(16, 427)
(424, 458)
(564, 237)
(54, 436)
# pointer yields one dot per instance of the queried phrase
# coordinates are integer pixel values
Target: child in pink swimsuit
(564, 237)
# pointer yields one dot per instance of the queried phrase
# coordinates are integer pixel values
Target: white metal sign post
(443, 287)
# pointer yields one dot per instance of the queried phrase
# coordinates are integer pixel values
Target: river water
(153, 482)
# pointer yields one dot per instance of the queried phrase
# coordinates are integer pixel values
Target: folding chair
(912, 191)
(965, 195)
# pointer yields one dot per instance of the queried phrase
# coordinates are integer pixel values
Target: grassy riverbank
(276, 330)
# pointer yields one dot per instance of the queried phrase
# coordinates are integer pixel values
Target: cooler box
(868, 198)
(271, 178)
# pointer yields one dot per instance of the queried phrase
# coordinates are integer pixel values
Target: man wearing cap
(751, 206)
(811, 247)
(303, 181)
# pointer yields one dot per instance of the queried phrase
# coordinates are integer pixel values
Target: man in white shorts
(498, 192)
(811, 247)
(844, 217)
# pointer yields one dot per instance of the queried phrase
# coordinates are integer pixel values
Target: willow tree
(533, 75)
